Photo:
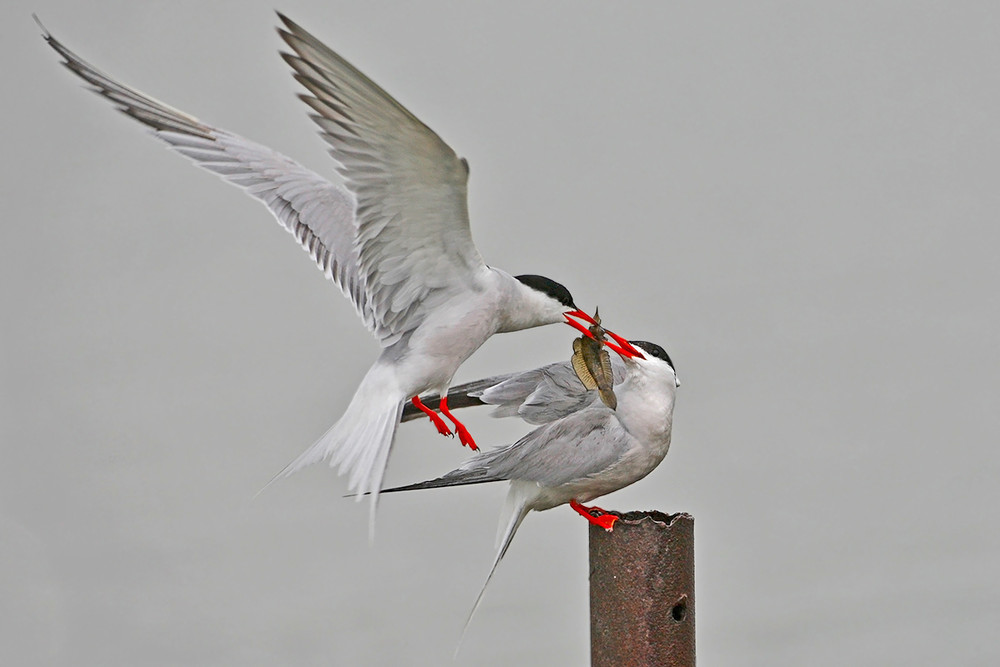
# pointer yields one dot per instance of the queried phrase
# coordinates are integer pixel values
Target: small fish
(592, 363)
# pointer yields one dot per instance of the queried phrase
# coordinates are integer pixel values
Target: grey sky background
(798, 201)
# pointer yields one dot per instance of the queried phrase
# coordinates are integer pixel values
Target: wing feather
(579, 446)
(319, 214)
(583, 444)
(413, 223)
(538, 396)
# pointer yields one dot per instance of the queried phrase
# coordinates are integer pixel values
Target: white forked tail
(360, 442)
(514, 510)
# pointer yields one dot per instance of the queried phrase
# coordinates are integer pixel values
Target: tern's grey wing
(460, 396)
(578, 446)
(538, 396)
(570, 449)
(544, 394)
(318, 213)
(414, 241)
(553, 393)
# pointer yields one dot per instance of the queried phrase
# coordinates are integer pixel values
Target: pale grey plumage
(537, 396)
(549, 393)
(413, 221)
(581, 454)
(562, 451)
(557, 462)
(396, 240)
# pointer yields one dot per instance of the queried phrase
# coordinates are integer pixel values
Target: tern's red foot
(465, 437)
(437, 421)
(463, 433)
(605, 519)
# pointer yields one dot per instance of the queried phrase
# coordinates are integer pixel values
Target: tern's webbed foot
(465, 437)
(441, 426)
(603, 518)
(437, 421)
(463, 433)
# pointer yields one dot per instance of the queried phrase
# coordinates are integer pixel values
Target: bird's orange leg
(441, 426)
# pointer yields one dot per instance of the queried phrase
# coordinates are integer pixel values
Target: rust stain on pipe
(642, 591)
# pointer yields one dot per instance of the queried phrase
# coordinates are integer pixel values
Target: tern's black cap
(654, 351)
(549, 287)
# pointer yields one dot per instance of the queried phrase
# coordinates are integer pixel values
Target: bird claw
(605, 521)
(466, 438)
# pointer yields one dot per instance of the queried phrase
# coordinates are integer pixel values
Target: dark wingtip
(285, 32)
(290, 28)
(46, 35)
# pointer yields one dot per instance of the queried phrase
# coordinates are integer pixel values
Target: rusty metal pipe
(642, 591)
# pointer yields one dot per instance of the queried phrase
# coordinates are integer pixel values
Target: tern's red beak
(624, 348)
(582, 315)
(576, 325)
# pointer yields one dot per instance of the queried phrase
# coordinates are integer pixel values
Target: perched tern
(396, 241)
(582, 450)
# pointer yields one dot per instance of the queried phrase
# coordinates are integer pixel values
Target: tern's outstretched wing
(537, 396)
(318, 213)
(414, 242)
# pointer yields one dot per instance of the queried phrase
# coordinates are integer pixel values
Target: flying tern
(582, 449)
(396, 241)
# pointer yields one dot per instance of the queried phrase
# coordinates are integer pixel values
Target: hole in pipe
(679, 612)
